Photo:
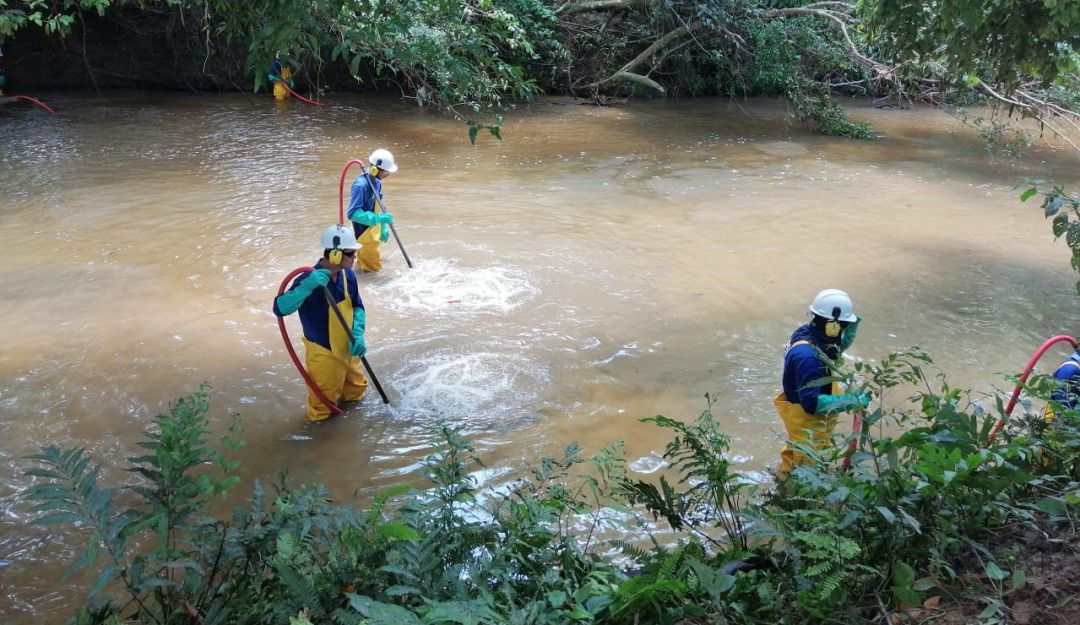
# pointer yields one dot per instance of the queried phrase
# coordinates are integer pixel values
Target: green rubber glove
(848, 336)
(290, 301)
(366, 218)
(292, 84)
(830, 404)
(384, 218)
(272, 77)
(358, 347)
(384, 236)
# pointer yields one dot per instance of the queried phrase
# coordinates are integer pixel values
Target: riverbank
(934, 511)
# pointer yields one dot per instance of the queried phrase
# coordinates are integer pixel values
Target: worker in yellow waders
(332, 353)
(808, 410)
(281, 75)
(371, 227)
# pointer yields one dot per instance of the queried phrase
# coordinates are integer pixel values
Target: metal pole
(382, 206)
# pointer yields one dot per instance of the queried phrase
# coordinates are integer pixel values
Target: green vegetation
(1064, 211)
(907, 522)
(478, 57)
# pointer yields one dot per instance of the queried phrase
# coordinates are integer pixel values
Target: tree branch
(624, 72)
(581, 6)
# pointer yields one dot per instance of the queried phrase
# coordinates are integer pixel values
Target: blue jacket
(1068, 393)
(803, 365)
(362, 199)
(315, 312)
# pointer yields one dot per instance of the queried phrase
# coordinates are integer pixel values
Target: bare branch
(624, 73)
(1040, 110)
(581, 6)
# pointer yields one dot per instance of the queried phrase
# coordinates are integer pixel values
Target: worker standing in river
(281, 76)
(371, 227)
(332, 354)
(1068, 391)
(807, 407)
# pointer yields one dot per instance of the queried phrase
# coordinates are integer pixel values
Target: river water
(597, 266)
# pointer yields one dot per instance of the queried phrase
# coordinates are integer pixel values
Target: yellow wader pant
(280, 92)
(340, 378)
(368, 257)
(797, 421)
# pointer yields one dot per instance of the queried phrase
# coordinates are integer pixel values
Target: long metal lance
(382, 206)
(348, 331)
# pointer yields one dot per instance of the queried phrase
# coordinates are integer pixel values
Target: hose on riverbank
(1023, 378)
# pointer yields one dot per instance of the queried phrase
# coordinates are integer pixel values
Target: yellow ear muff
(335, 257)
(833, 329)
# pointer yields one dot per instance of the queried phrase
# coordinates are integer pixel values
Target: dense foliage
(471, 55)
(904, 524)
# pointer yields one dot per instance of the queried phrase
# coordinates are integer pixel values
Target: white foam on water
(441, 286)
(486, 386)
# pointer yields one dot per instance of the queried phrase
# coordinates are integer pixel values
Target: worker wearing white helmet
(803, 404)
(370, 225)
(332, 354)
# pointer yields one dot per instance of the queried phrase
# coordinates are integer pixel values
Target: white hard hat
(384, 160)
(832, 304)
(339, 237)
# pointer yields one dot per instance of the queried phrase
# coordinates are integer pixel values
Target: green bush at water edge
(828, 546)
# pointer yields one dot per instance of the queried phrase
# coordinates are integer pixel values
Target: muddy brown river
(597, 266)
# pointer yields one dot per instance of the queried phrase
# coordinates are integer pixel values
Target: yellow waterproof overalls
(280, 91)
(797, 421)
(368, 257)
(339, 377)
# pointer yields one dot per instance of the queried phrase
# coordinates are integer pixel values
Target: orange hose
(38, 102)
(286, 85)
(292, 352)
(856, 432)
(341, 189)
(1023, 378)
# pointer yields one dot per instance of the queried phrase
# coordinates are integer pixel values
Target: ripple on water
(478, 387)
(441, 286)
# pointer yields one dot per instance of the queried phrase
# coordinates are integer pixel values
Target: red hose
(341, 189)
(38, 102)
(286, 85)
(856, 432)
(1023, 378)
(292, 352)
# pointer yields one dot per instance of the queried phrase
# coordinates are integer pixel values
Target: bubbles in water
(648, 464)
(482, 386)
(439, 286)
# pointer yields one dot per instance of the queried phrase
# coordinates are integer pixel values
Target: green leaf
(994, 572)
(889, 516)
(1019, 580)
(903, 574)
(1053, 506)
(1060, 224)
(382, 613)
(473, 130)
(1073, 235)
(495, 131)
(906, 595)
(1026, 195)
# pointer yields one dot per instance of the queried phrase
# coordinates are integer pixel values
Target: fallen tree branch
(625, 73)
(581, 6)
